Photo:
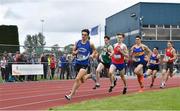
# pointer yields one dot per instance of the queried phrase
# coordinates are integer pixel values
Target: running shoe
(125, 90)
(96, 86)
(68, 97)
(110, 88)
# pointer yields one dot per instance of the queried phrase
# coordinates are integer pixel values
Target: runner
(153, 65)
(105, 60)
(139, 58)
(84, 49)
(118, 57)
(169, 57)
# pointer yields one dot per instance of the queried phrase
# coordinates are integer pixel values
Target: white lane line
(82, 91)
(31, 103)
(51, 100)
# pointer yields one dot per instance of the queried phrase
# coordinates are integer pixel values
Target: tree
(69, 48)
(41, 41)
(34, 43)
(55, 50)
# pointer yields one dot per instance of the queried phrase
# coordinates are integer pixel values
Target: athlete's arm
(164, 58)
(158, 57)
(131, 50)
(110, 50)
(174, 55)
(75, 51)
(148, 51)
(94, 53)
(125, 52)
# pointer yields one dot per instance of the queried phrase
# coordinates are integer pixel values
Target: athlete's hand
(91, 56)
(75, 52)
(146, 58)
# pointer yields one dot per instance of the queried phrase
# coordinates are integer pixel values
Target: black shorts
(169, 66)
(106, 65)
(154, 67)
(135, 64)
(79, 66)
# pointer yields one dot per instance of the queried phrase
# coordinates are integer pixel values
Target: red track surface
(43, 95)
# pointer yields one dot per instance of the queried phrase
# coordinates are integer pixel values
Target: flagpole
(100, 35)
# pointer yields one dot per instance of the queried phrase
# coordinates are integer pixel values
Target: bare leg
(139, 72)
(122, 73)
(164, 74)
(98, 70)
(148, 73)
(112, 77)
(153, 77)
(111, 74)
(78, 81)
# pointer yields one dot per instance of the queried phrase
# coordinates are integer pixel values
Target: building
(155, 22)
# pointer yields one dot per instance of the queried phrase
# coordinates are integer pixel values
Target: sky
(63, 19)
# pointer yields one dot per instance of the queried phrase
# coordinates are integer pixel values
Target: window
(166, 26)
(145, 26)
(175, 34)
(160, 26)
(174, 26)
(149, 34)
(152, 26)
(163, 34)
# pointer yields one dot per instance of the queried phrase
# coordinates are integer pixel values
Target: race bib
(136, 59)
(166, 58)
(153, 61)
(103, 53)
(81, 57)
(117, 56)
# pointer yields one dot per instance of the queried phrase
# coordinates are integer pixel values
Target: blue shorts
(119, 66)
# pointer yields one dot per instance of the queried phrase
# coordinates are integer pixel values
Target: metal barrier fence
(62, 57)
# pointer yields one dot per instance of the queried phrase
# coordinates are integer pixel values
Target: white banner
(27, 69)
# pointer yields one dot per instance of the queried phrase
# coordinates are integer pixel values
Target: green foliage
(68, 49)
(35, 43)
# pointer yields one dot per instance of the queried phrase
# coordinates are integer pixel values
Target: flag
(94, 30)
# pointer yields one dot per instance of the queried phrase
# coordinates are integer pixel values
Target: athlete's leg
(167, 75)
(139, 72)
(163, 79)
(78, 81)
(122, 73)
(112, 77)
(153, 77)
(98, 70)
(111, 74)
(148, 73)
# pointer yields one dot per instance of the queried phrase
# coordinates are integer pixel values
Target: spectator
(10, 61)
(52, 66)
(62, 66)
(3, 69)
(44, 61)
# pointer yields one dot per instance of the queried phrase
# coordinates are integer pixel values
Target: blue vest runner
(84, 51)
(154, 58)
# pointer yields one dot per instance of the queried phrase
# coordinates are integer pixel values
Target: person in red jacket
(52, 66)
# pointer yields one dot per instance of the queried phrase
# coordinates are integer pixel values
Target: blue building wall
(152, 13)
(122, 21)
(160, 13)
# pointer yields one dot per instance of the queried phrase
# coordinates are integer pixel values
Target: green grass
(167, 99)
